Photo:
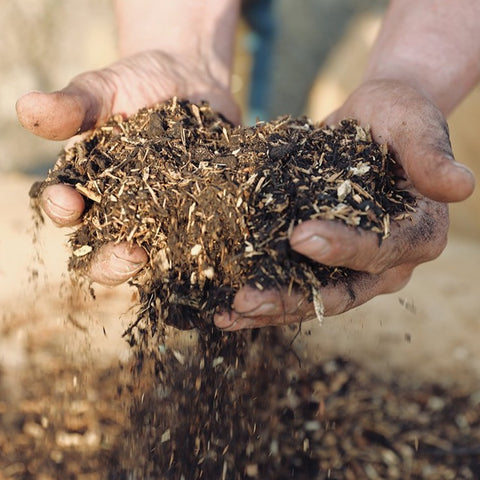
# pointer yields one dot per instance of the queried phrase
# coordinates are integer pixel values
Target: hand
(88, 101)
(417, 134)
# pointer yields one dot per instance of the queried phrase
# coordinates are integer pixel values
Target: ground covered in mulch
(266, 418)
(214, 205)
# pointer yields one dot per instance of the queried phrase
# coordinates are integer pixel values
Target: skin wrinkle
(440, 136)
(351, 297)
(292, 309)
(128, 76)
(400, 107)
(93, 107)
(426, 237)
(364, 282)
(390, 281)
(424, 136)
(156, 65)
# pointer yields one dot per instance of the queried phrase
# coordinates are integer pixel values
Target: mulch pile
(271, 419)
(214, 205)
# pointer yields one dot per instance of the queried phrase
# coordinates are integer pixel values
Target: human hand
(417, 134)
(88, 101)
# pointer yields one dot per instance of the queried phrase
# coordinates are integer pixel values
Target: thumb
(84, 103)
(416, 131)
(432, 169)
(419, 137)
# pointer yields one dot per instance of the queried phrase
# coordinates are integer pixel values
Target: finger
(63, 204)
(113, 264)
(254, 308)
(360, 287)
(117, 263)
(56, 116)
(417, 133)
(419, 137)
(334, 244)
(415, 240)
(426, 155)
(84, 103)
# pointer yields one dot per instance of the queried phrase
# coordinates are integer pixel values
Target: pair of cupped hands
(397, 113)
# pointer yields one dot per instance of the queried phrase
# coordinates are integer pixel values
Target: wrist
(201, 33)
(390, 76)
(433, 46)
(445, 88)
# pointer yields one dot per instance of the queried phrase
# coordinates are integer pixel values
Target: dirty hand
(88, 101)
(417, 134)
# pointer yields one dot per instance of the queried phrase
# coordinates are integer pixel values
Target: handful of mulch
(214, 205)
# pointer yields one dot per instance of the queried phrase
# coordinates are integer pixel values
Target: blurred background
(297, 57)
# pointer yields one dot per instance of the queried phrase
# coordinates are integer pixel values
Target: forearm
(203, 30)
(432, 44)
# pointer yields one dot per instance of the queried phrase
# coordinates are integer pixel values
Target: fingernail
(222, 319)
(122, 266)
(59, 211)
(262, 309)
(312, 246)
(464, 168)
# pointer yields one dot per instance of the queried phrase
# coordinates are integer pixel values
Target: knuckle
(376, 267)
(380, 261)
(437, 249)
(397, 279)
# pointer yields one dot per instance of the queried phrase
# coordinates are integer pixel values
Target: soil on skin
(213, 205)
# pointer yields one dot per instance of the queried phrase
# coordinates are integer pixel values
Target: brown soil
(214, 205)
(266, 418)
